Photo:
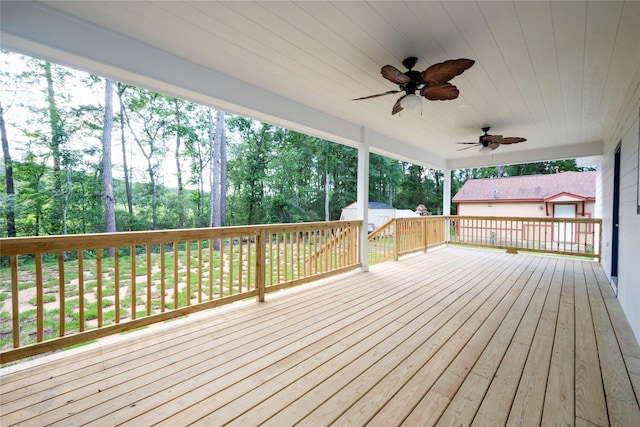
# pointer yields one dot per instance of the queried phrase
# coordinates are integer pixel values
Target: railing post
(260, 264)
(425, 237)
(396, 236)
(447, 229)
(353, 246)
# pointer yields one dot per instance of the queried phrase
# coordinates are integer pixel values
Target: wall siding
(519, 209)
(627, 133)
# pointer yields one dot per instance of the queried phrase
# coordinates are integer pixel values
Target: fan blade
(389, 92)
(397, 107)
(440, 92)
(394, 75)
(511, 140)
(492, 139)
(445, 71)
(470, 143)
(466, 148)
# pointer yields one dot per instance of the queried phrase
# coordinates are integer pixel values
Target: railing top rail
(20, 245)
(382, 229)
(422, 218)
(528, 219)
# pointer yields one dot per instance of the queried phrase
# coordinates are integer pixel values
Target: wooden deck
(452, 337)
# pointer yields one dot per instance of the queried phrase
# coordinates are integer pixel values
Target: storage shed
(379, 213)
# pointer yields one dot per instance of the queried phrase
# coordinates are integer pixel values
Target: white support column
(363, 200)
(446, 203)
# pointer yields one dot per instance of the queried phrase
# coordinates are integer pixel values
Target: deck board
(589, 393)
(455, 336)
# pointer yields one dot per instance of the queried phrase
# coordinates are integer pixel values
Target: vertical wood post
(396, 236)
(425, 238)
(260, 264)
(15, 302)
(40, 299)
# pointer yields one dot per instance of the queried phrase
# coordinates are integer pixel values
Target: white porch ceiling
(556, 73)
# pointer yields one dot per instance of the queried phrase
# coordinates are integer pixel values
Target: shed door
(564, 232)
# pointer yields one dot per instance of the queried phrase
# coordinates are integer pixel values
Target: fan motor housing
(414, 84)
(410, 62)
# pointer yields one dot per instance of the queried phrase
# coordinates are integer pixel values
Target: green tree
(146, 115)
(123, 145)
(248, 170)
(385, 176)
(9, 202)
(57, 138)
(413, 188)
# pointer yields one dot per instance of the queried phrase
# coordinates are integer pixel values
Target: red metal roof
(528, 188)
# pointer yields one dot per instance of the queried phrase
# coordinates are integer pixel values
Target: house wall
(520, 209)
(627, 133)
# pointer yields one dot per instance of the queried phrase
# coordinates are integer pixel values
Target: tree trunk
(154, 192)
(67, 197)
(181, 203)
(107, 167)
(8, 167)
(177, 152)
(151, 129)
(57, 138)
(217, 163)
(200, 165)
(223, 169)
(219, 143)
(214, 178)
(127, 182)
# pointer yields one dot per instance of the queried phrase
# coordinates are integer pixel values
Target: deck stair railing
(328, 248)
(60, 291)
(401, 236)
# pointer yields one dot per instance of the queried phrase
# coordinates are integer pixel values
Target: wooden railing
(60, 291)
(401, 236)
(563, 236)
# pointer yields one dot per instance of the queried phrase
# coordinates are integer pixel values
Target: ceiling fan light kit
(411, 102)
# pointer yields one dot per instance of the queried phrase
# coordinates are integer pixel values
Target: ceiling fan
(432, 83)
(491, 142)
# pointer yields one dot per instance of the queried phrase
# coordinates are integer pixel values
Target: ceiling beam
(531, 156)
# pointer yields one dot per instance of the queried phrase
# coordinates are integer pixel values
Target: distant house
(559, 195)
(379, 214)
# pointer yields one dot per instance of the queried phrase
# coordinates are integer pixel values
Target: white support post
(363, 200)
(446, 203)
